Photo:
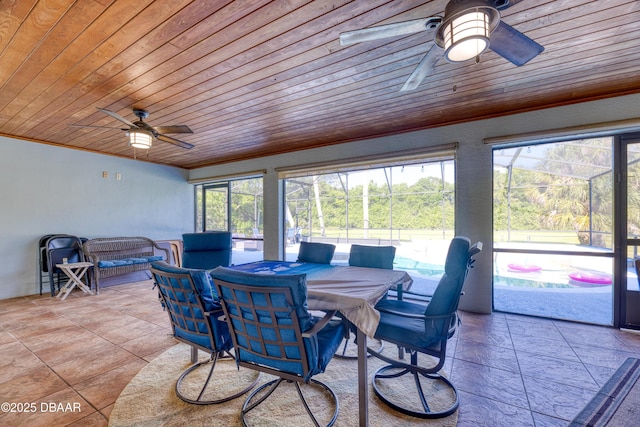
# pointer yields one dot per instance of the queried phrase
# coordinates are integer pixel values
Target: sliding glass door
(567, 230)
(553, 230)
(236, 206)
(629, 301)
(215, 207)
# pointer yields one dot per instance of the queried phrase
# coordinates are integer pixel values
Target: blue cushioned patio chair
(206, 250)
(318, 253)
(425, 329)
(273, 332)
(371, 257)
(194, 312)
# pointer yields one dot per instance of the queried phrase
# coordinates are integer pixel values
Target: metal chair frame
(188, 312)
(441, 327)
(52, 253)
(397, 368)
(240, 323)
(43, 267)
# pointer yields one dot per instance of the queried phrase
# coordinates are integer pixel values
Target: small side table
(75, 271)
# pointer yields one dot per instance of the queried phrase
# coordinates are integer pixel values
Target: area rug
(618, 401)
(150, 398)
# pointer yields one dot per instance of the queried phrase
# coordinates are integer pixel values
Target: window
(410, 205)
(235, 206)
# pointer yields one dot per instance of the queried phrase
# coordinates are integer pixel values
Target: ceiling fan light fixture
(466, 37)
(464, 33)
(140, 138)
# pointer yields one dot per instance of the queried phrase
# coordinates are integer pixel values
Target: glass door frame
(622, 296)
(220, 185)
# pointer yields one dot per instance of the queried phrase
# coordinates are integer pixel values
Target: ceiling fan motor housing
(142, 114)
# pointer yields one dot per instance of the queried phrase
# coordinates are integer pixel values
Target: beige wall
(46, 189)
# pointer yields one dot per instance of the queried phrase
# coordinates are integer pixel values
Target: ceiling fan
(469, 27)
(141, 134)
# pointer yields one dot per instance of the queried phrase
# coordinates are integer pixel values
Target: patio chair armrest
(475, 249)
(447, 331)
(319, 325)
(401, 313)
(422, 297)
(421, 316)
(442, 317)
(420, 294)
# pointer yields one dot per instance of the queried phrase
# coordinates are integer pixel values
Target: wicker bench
(114, 256)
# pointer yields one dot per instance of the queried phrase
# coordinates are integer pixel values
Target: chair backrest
(59, 247)
(188, 296)
(446, 297)
(42, 247)
(315, 252)
(206, 250)
(268, 315)
(372, 256)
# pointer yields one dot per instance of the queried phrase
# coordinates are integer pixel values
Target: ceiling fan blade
(512, 45)
(174, 141)
(173, 129)
(99, 127)
(117, 117)
(389, 30)
(424, 68)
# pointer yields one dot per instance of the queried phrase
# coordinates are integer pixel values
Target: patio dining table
(353, 291)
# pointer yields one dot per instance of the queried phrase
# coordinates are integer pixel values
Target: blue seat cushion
(329, 339)
(128, 261)
(206, 250)
(143, 260)
(296, 282)
(201, 280)
(206, 259)
(318, 253)
(221, 336)
(320, 348)
(408, 332)
(446, 296)
(440, 311)
(401, 306)
(186, 330)
(114, 263)
(372, 256)
(207, 241)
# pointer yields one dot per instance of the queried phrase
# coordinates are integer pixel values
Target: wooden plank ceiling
(253, 78)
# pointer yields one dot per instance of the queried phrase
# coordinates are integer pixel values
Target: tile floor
(510, 370)
(83, 350)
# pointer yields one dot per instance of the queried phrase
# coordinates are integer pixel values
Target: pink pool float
(524, 268)
(590, 278)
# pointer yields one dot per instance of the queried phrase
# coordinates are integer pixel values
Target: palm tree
(573, 186)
